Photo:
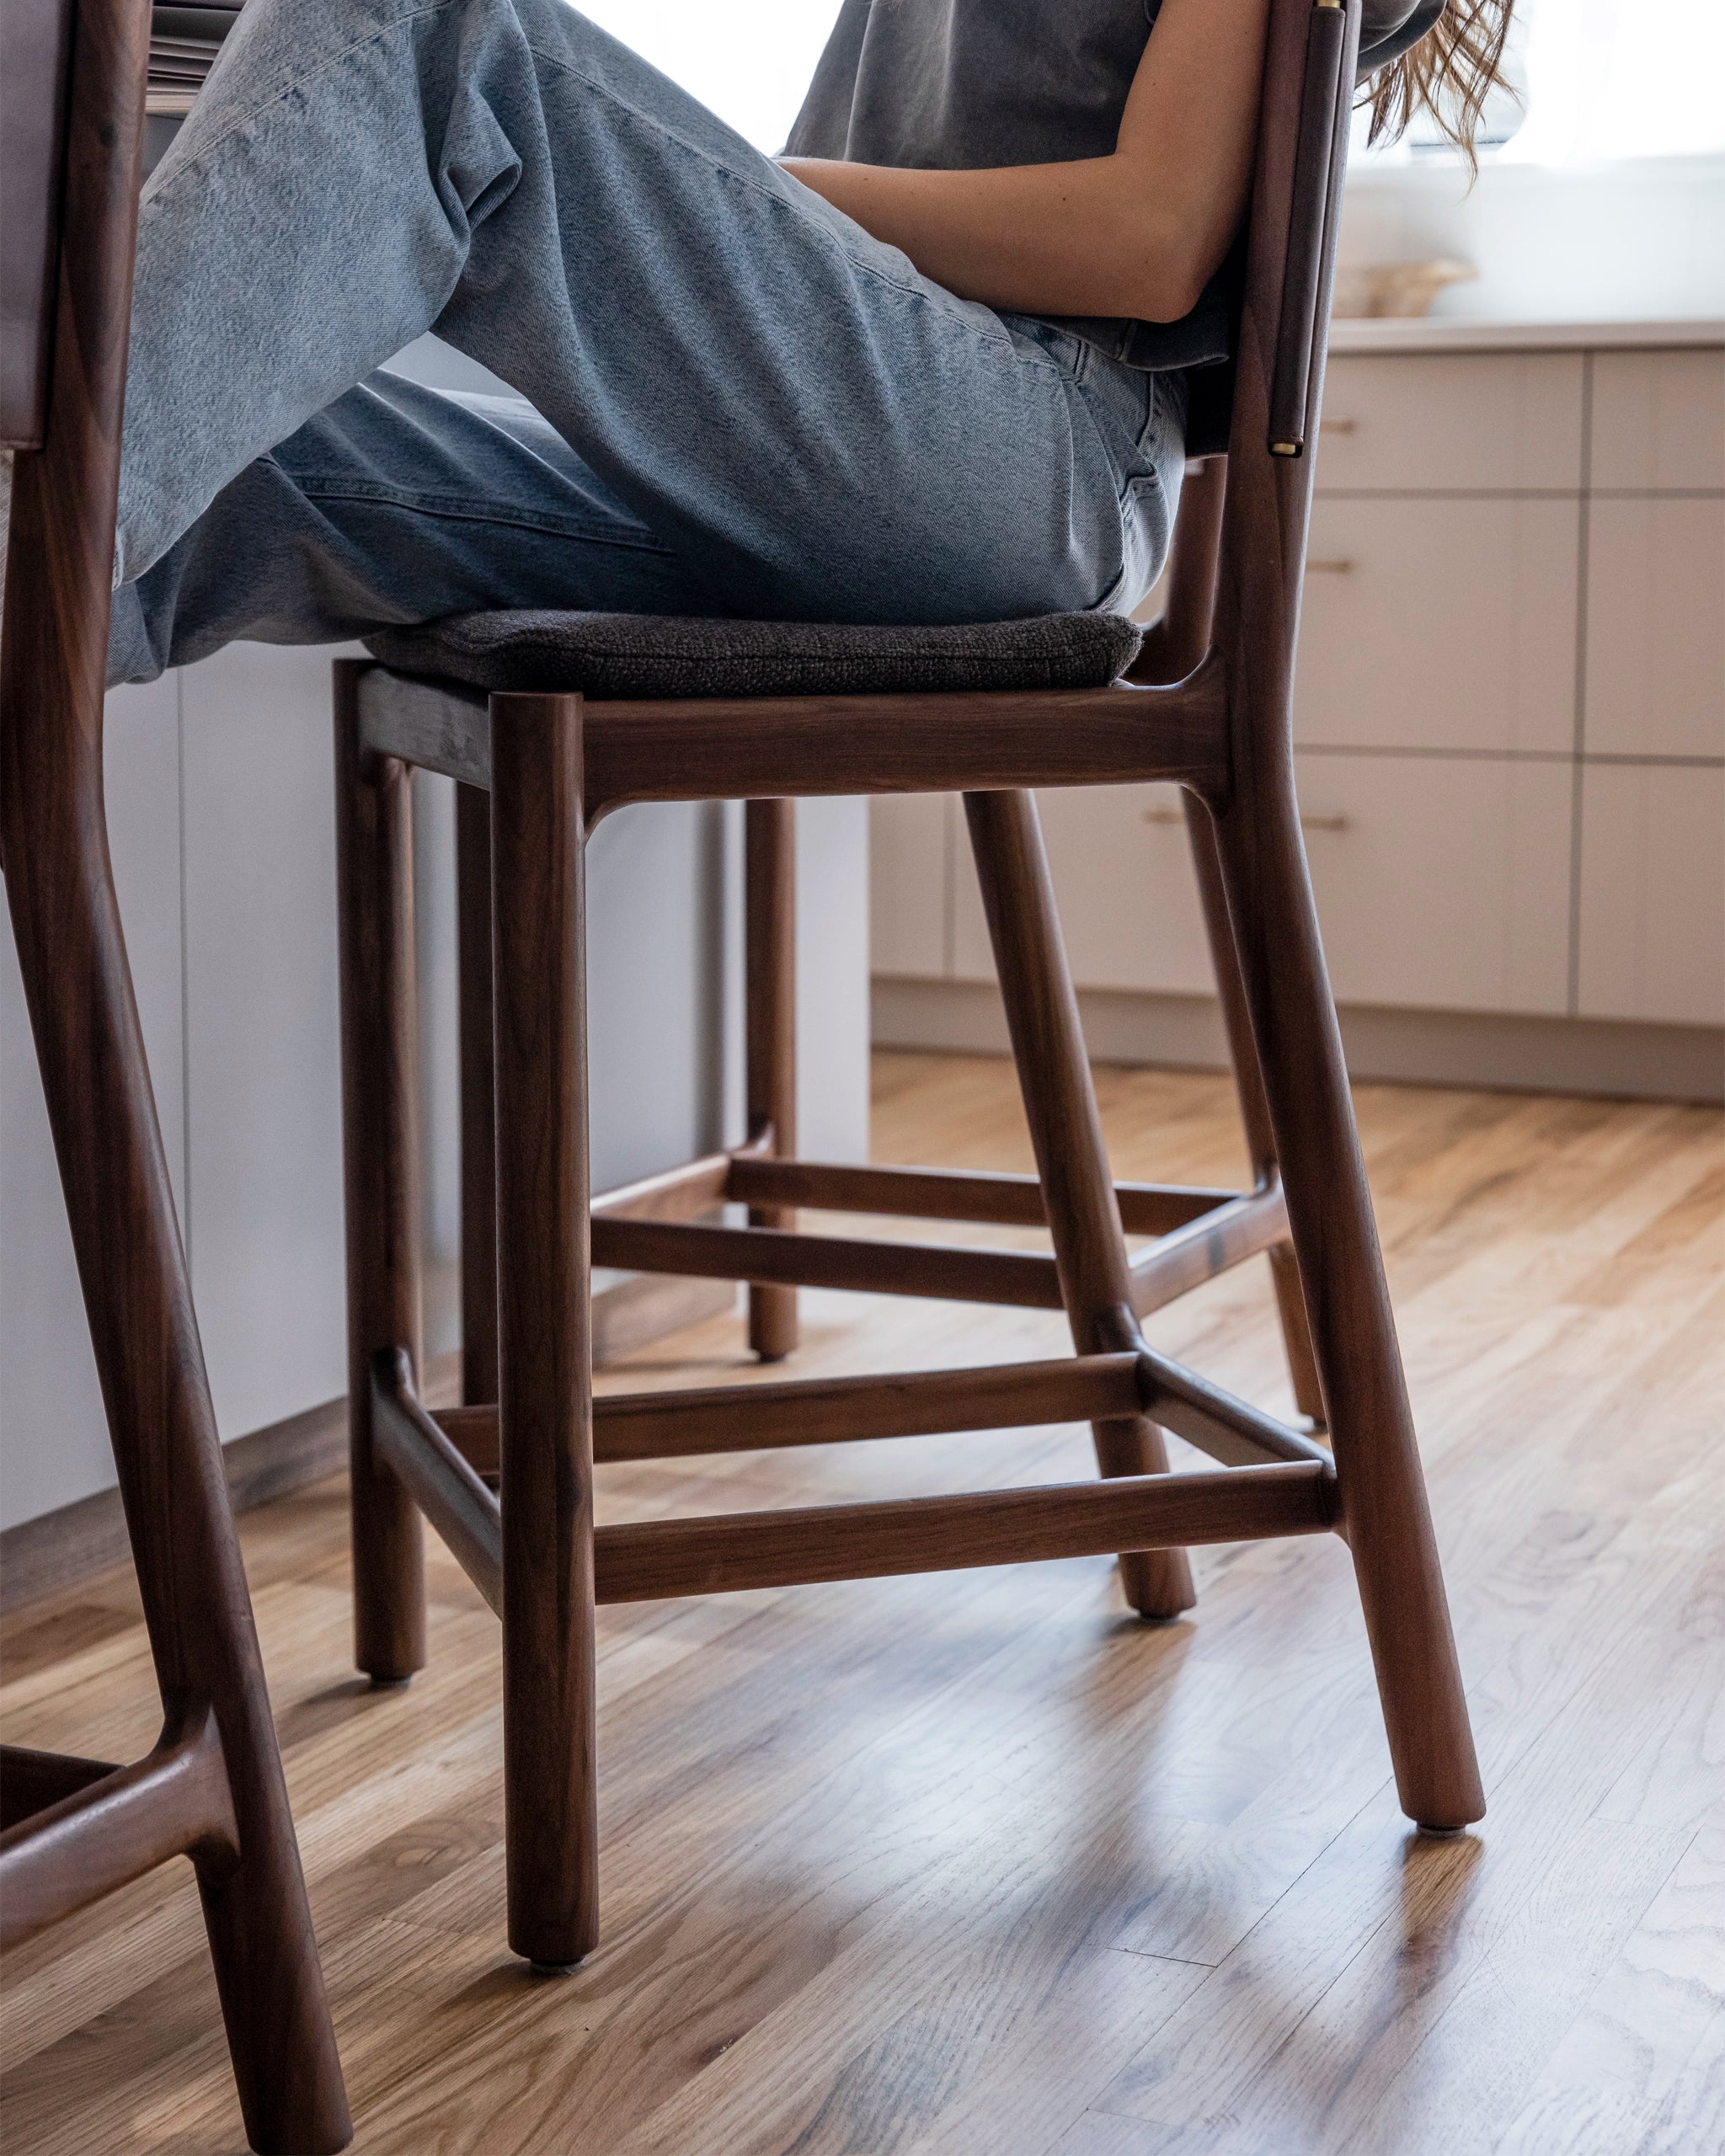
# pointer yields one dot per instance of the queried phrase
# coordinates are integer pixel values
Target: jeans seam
(458, 509)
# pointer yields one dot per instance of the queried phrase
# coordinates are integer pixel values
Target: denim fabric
(734, 401)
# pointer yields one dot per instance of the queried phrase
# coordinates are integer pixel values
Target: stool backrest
(1282, 336)
(73, 89)
(36, 40)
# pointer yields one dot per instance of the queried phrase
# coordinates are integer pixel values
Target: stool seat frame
(507, 1478)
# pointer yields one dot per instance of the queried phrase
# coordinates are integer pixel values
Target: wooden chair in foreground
(213, 1788)
(538, 765)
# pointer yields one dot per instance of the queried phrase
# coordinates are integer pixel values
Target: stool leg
(478, 1115)
(545, 1409)
(380, 1163)
(770, 942)
(1254, 1109)
(166, 1452)
(1060, 1101)
(1382, 1491)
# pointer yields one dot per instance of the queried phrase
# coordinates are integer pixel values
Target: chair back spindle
(73, 89)
(1279, 375)
(35, 42)
(1304, 282)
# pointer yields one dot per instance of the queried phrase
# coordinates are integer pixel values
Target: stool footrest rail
(660, 1558)
(81, 1830)
(1289, 1488)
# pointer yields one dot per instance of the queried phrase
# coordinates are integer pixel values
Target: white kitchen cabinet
(1435, 622)
(1510, 716)
(1122, 870)
(1656, 626)
(233, 940)
(1442, 883)
(263, 1031)
(1500, 422)
(1652, 870)
(1658, 421)
(53, 1433)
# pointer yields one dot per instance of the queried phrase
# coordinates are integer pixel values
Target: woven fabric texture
(640, 655)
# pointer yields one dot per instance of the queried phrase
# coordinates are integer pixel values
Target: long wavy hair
(1449, 75)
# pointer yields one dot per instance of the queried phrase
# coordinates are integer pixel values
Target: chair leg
(137, 1293)
(1254, 1109)
(478, 1116)
(1060, 1101)
(1382, 1490)
(380, 1152)
(770, 940)
(544, 1411)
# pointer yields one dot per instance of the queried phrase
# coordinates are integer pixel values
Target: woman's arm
(1139, 234)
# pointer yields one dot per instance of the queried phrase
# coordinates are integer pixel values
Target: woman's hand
(1137, 233)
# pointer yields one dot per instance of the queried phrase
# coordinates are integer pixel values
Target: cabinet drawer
(1122, 872)
(1655, 635)
(1441, 882)
(1658, 421)
(908, 873)
(1652, 893)
(1439, 624)
(1497, 421)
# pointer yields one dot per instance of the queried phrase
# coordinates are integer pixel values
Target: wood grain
(208, 1700)
(545, 1358)
(766, 747)
(955, 1194)
(848, 1905)
(769, 1037)
(381, 1202)
(782, 1548)
(1071, 1159)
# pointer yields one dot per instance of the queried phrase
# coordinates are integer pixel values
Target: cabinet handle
(1329, 565)
(1338, 426)
(1311, 823)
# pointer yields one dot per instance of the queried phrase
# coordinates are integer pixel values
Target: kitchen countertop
(1458, 333)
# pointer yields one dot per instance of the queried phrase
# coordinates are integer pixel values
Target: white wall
(221, 814)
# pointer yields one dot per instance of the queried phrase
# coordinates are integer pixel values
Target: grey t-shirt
(960, 85)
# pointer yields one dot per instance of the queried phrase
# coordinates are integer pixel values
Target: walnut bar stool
(548, 723)
(213, 1788)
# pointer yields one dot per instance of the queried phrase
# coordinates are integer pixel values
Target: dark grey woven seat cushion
(629, 655)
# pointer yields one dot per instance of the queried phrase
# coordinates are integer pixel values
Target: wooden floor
(971, 1863)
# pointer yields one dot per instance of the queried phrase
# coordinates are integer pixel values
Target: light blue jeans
(733, 400)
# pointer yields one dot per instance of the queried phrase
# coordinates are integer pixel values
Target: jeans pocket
(1067, 351)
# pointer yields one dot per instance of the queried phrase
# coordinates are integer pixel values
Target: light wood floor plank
(972, 1863)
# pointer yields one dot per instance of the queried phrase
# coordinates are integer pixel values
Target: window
(1594, 80)
(1622, 78)
(750, 60)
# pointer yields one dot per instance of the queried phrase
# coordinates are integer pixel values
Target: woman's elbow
(1168, 286)
(1174, 294)
(1168, 268)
